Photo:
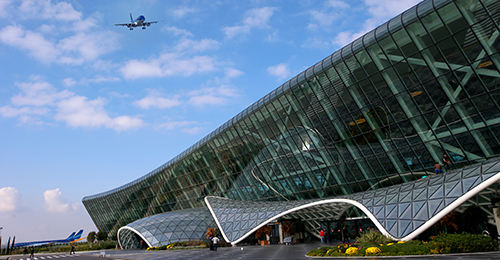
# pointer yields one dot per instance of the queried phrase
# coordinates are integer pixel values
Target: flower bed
(441, 244)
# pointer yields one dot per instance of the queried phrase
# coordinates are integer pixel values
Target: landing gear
(131, 29)
(144, 27)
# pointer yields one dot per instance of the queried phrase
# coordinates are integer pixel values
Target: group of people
(446, 163)
(345, 235)
(213, 243)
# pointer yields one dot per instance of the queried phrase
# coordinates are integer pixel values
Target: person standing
(215, 240)
(72, 249)
(346, 235)
(446, 162)
(437, 168)
(211, 243)
(322, 235)
(32, 255)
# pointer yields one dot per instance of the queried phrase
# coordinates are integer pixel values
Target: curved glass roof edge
(294, 82)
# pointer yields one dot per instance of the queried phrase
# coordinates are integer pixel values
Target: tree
(91, 237)
(102, 236)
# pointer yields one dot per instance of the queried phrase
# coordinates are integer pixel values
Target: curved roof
(400, 211)
(165, 228)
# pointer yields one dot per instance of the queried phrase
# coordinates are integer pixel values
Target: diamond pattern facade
(377, 113)
(398, 210)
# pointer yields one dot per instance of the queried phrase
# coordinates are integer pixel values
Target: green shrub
(462, 243)
(316, 252)
(373, 237)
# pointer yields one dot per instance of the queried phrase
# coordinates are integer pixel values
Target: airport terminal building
(352, 135)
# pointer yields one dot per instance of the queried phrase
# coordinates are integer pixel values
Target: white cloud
(85, 81)
(55, 203)
(337, 4)
(192, 130)
(41, 98)
(9, 111)
(38, 94)
(45, 9)
(211, 96)
(176, 31)
(281, 71)
(183, 11)
(3, 7)
(197, 46)
(10, 199)
(33, 42)
(157, 102)
(168, 64)
(254, 18)
(380, 11)
(232, 73)
(175, 124)
(78, 111)
(73, 50)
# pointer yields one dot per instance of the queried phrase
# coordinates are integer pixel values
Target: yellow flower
(401, 242)
(390, 244)
(381, 244)
(351, 250)
(373, 250)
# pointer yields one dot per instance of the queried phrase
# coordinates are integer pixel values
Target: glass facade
(380, 111)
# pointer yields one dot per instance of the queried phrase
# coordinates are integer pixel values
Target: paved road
(272, 252)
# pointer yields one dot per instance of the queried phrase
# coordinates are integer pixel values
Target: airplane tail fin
(78, 235)
(131, 19)
(71, 236)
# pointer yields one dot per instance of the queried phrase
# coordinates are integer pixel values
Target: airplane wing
(123, 24)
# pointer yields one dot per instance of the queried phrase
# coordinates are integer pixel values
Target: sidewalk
(290, 252)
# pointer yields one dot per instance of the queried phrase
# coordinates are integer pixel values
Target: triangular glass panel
(451, 185)
(404, 196)
(449, 177)
(434, 206)
(488, 175)
(392, 227)
(470, 172)
(421, 209)
(456, 191)
(376, 210)
(393, 214)
(417, 192)
(406, 211)
(467, 183)
(379, 201)
(367, 202)
(391, 199)
(402, 226)
(449, 200)
(438, 194)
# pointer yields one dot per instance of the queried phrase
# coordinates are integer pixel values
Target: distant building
(354, 133)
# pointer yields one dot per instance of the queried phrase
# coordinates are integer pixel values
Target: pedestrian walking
(211, 243)
(32, 255)
(215, 241)
(322, 235)
(72, 249)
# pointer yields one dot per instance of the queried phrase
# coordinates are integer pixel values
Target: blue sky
(86, 106)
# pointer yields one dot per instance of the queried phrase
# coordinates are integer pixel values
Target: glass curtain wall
(380, 111)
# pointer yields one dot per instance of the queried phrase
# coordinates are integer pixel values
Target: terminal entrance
(346, 230)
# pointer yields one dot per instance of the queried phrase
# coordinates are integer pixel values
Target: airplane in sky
(140, 21)
(72, 238)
